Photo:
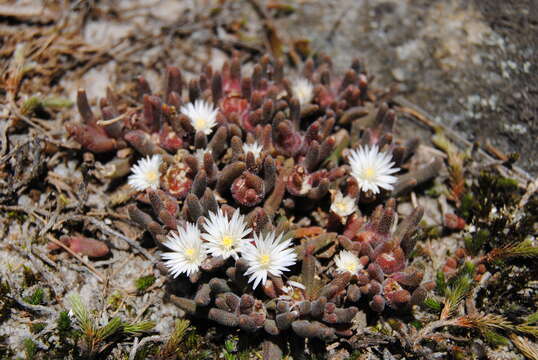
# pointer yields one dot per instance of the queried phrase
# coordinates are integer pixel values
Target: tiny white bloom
(343, 205)
(289, 290)
(268, 255)
(199, 155)
(225, 236)
(255, 148)
(305, 186)
(146, 173)
(296, 284)
(372, 168)
(346, 261)
(494, 213)
(303, 90)
(203, 115)
(188, 251)
(290, 285)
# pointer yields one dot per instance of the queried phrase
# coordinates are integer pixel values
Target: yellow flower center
(351, 267)
(341, 206)
(296, 295)
(369, 173)
(152, 176)
(227, 241)
(199, 123)
(190, 254)
(264, 260)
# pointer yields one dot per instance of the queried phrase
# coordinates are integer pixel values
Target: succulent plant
(270, 146)
(386, 277)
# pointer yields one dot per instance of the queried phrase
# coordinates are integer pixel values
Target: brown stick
(78, 257)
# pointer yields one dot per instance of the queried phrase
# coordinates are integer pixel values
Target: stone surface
(468, 63)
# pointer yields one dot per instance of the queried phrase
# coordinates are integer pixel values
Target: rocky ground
(466, 67)
(469, 64)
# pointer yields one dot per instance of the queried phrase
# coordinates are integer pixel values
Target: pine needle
(81, 314)
(527, 348)
(111, 328)
(138, 328)
(524, 249)
(173, 343)
(456, 291)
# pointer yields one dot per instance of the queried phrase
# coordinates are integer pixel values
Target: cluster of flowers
(266, 146)
(265, 254)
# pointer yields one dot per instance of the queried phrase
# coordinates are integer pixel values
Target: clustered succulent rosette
(226, 157)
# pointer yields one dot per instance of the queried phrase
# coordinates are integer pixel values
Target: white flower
(268, 255)
(203, 115)
(305, 185)
(343, 205)
(146, 173)
(296, 284)
(372, 168)
(188, 251)
(289, 290)
(199, 155)
(303, 90)
(225, 236)
(346, 261)
(291, 285)
(255, 148)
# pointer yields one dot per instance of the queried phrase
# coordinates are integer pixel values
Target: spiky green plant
(97, 340)
(456, 290)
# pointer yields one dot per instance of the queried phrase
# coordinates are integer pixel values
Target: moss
(492, 206)
(417, 324)
(503, 225)
(36, 298)
(489, 191)
(36, 104)
(185, 342)
(238, 348)
(67, 338)
(37, 327)
(466, 205)
(30, 348)
(115, 300)
(440, 283)
(144, 282)
(230, 349)
(63, 324)
(476, 241)
(195, 347)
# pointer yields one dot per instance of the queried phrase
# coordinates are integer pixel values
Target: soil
(470, 64)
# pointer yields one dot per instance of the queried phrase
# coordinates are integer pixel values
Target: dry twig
(92, 269)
